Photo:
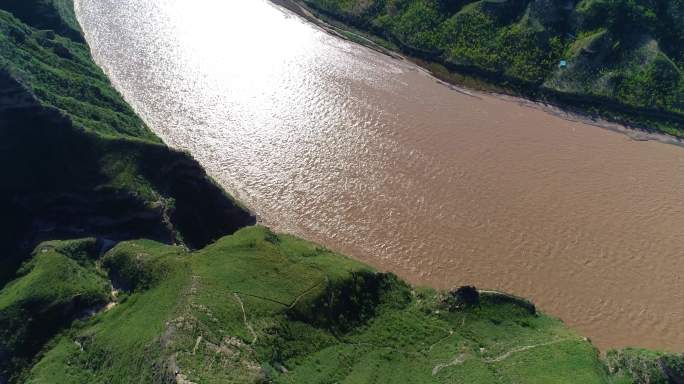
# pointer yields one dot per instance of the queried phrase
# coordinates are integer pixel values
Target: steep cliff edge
(77, 162)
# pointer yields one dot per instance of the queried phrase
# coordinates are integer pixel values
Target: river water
(374, 158)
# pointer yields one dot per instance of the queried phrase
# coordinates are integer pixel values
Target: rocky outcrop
(201, 212)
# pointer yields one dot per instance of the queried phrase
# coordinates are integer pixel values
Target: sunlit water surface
(371, 157)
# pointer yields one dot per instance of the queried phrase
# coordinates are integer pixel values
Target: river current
(374, 158)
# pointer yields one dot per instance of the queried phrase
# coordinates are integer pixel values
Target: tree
(463, 297)
(452, 6)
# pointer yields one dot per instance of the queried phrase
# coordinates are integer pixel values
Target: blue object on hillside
(563, 64)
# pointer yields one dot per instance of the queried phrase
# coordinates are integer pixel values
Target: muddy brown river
(376, 159)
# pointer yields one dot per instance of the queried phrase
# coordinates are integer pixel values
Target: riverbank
(638, 124)
(258, 307)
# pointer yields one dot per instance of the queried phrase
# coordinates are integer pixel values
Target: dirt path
(458, 360)
(522, 349)
(461, 358)
(450, 333)
(244, 316)
(296, 300)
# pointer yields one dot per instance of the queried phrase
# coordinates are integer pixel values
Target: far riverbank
(552, 103)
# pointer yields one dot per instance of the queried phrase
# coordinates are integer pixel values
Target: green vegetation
(55, 15)
(259, 307)
(256, 307)
(644, 366)
(624, 57)
(60, 73)
(60, 281)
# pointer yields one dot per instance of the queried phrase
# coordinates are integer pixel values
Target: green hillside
(76, 159)
(84, 300)
(55, 15)
(256, 307)
(623, 59)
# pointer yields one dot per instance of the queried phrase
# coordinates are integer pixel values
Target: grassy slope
(76, 160)
(56, 15)
(634, 73)
(60, 281)
(123, 344)
(301, 324)
(61, 74)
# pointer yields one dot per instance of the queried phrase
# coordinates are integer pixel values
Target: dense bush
(620, 17)
(463, 297)
(418, 26)
(132, 269)
(657, 85)
(348, 303)
(646, 367)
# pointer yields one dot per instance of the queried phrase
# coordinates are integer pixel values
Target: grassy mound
(58, 283)
(256, 307)
(132, 269)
